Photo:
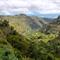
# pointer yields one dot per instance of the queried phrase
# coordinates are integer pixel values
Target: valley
(25, 37)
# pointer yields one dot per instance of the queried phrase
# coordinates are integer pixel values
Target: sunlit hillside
(25, 24)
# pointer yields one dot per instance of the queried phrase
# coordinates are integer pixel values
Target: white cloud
(9, 7)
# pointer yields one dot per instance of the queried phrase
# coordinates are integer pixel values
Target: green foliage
(32, 46)
(4, 23)
(6, 53)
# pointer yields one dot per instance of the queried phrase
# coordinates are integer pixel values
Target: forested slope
(35, 46)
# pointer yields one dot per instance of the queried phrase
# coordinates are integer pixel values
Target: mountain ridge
(25, 23)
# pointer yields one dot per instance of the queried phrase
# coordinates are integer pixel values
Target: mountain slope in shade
(55, 24)
(49, 19)
(23, 23)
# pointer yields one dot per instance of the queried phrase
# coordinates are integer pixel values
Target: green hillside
(36, 45)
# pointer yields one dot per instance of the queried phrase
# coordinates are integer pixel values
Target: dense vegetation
(34, 46)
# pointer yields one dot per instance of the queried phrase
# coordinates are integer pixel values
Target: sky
(44, 8)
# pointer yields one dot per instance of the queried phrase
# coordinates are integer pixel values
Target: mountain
(49, 19)
(55, 24)
(23, 23)
(37, 46)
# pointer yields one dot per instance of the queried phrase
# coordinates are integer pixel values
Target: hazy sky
(11, 7)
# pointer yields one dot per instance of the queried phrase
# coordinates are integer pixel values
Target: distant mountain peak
(58, 17)
(21, 15)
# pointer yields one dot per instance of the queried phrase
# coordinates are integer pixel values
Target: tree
(5, 23)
